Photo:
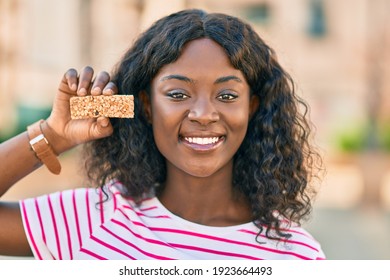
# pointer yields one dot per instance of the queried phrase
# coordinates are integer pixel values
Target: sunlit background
(336, 50)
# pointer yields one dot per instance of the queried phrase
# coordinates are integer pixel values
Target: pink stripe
(193, 248)
(55, 227)
(115, 184)
(38, 210)
(66, 226)
(111, 247)
(285, 230)
(284, 240)
(29, 232)
(302, 233)
(40, 220)
(92, 254)
(118, 193)
(288, 225)
(152, 241)
(101, 206)
(115, 202)
(88, 211)
(299, 232)
(135, 247)
(149, 208)
(140, 214)
(76, 217)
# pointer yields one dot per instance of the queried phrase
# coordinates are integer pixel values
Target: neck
(210, 201)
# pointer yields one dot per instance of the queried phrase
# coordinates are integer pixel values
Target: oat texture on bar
(111, 106)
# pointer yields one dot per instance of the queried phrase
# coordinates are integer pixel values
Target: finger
(110, 89)
(85, 80)
(100, 82)
(69, 81)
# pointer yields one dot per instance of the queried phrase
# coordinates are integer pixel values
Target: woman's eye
(227, 96)
(178, 95)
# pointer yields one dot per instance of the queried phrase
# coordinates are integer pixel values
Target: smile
(203, 144)
(202, 140)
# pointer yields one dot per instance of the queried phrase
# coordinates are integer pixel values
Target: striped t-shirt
(84, 224)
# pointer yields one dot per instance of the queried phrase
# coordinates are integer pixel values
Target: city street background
(336, 51)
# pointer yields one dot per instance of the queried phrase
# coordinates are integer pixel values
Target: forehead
(203, 48)
(201, 58)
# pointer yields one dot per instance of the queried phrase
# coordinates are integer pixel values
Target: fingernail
(73, 87)
(104, 122)
(96, 90)
(82, 91)
(108, 91)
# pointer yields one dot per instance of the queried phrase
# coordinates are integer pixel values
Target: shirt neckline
(201, 227)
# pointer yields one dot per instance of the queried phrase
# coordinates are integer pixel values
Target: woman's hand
(68, 132)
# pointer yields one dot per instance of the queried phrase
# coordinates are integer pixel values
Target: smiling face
(200, 107)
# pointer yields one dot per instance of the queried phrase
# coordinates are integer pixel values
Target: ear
(145, 102)
(254, 103)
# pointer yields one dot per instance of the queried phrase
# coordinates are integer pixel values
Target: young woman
(216, 163)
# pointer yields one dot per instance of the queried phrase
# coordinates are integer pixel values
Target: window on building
(317, 19)
(258, 14)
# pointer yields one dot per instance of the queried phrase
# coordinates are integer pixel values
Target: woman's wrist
(58, 143)
(42, 148)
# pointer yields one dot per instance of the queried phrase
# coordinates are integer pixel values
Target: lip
(202, 143)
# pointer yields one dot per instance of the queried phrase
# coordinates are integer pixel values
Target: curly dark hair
(276, 161)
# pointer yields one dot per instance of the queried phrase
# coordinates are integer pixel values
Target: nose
(203, 111)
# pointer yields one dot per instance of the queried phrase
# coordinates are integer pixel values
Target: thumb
(101, 128)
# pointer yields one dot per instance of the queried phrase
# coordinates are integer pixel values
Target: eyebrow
(227, 78)
(177, 77)
(188, 80)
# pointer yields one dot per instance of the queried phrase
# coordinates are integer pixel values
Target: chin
(201, 171)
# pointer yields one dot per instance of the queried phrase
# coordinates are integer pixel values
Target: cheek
(237, 119)
(166, 124)
(161, 122)
(238, 124)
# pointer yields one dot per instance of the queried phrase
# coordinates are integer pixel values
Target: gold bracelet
(42, 148)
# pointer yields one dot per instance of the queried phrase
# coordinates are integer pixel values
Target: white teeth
(202, 140)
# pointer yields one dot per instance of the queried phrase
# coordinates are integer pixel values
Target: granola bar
(112, 106)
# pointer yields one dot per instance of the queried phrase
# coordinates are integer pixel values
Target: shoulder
(107, 194)
(59, 224)
(304, 243)
(78, 202)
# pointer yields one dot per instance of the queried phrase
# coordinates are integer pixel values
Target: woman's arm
(17, 158)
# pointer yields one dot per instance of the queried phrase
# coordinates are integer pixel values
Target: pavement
(352, 234)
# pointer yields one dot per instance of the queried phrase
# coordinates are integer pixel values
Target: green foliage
(384, 136)
(363, 137)
(26, 115)
(351, 139)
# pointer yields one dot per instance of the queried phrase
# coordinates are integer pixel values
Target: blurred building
(336, 51)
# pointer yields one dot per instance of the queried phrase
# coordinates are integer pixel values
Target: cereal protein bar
(111, 106)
